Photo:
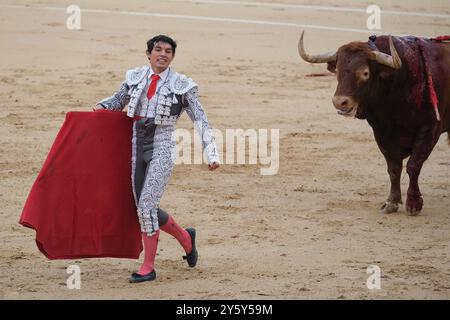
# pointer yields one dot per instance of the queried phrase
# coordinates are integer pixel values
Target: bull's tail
(448, 135)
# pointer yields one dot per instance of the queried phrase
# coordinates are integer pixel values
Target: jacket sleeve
(118, 100)
(195, 111)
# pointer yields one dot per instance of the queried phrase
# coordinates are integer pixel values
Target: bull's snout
(345, 105)
(341, 102)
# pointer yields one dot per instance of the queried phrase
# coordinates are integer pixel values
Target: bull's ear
(331, 66)
(386, 72)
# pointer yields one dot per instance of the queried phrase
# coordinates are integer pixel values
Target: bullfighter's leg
(395, 196)
(156, 151)
(142, 153)
(424, 144)
(158, 172)
(184, 236)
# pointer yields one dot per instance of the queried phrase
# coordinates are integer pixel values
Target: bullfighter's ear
(331, 66)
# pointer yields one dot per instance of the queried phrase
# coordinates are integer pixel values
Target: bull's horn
(319, 58)
(392, 60)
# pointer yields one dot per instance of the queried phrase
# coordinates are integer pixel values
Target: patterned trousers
(152, 165)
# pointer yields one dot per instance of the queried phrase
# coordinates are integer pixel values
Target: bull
(401, 86)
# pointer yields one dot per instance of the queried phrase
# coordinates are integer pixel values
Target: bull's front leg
(424, 144)
(395, 196)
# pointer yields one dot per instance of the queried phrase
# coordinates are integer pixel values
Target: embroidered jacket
(176, 94)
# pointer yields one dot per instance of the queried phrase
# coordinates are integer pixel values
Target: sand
(308, 232)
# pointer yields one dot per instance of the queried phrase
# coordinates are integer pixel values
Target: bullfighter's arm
(118, 100)
(195, 111)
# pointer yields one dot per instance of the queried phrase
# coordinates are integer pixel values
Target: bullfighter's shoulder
(180, 83)
(134, 76)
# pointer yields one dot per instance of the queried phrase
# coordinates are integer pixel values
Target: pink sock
(150, 246)
(179, 233)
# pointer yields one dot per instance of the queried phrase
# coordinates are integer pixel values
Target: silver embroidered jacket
(176, 94)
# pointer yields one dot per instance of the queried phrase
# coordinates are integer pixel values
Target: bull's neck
(383, 100)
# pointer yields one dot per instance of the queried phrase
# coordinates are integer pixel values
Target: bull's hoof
(414, 205)
(389, 207)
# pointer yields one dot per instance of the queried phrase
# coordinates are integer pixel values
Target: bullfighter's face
(160, 57)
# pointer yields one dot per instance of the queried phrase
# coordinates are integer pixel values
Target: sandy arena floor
(308, 232)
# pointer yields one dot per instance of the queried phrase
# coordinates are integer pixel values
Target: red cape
(81, 204)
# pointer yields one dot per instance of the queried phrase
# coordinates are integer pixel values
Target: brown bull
(401, 85)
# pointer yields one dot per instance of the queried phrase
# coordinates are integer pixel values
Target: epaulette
(134, 76)
(180, 84)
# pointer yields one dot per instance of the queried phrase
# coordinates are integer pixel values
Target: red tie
(152, 87)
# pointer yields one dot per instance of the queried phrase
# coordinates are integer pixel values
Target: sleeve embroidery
(195, 111)
(118, 100)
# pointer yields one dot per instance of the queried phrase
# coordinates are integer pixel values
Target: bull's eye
(363, 74)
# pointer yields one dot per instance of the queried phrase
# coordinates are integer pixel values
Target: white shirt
(163, 77)
(148, 107)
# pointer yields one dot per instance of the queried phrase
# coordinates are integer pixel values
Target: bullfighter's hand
(97, 107)
(213, 166)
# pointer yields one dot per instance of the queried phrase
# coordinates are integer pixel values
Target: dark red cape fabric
(81, 204)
